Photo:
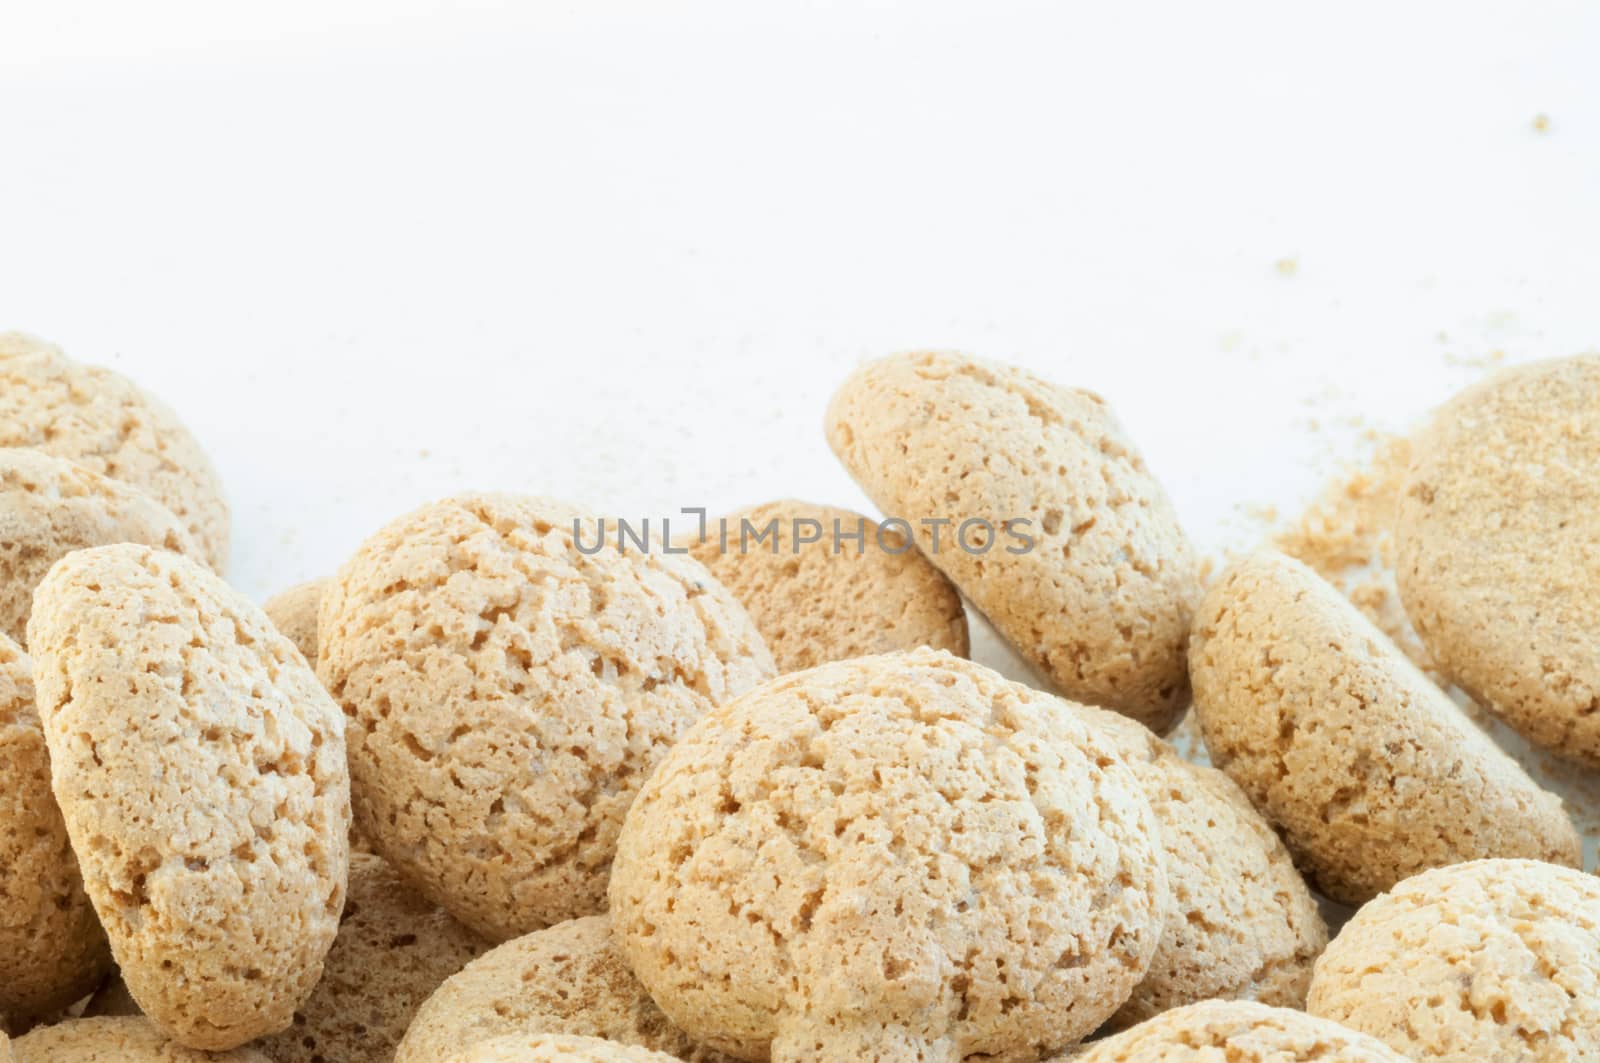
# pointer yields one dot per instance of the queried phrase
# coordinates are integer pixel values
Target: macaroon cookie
(1237, 1031)
(52, 950)
(1489, 960)
(394, 948)
(104, 422)
(294, 612)
(555, 1048)
(200, 769)
(903, 854)
(1370, 773)
(825, 584)
(1045, 516)
(128, 1039)
(1498, 549)
(511, 673)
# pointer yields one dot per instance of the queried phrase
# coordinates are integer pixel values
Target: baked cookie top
(904, 853)
(1102, 600)
(1237, 1031)
(129, 1039)
(294, 612)
(509, 686)
(1498, 557)
(200, 769)
(556, 1048)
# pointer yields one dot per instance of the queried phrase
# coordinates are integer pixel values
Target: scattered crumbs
(1287, 267)
(424, 453)
(1541, 123)
(1231, 340)
(1265, 514)
(1491, 360)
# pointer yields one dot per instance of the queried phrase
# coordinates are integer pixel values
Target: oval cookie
(115, 1040)
(1237, 1031)
(294, 612)
(555, 1048)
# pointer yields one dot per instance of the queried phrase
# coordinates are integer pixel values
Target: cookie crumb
(1541, 123)
(1287, 267)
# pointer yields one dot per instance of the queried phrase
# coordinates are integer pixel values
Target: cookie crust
(1237, 1031)
(294, 612)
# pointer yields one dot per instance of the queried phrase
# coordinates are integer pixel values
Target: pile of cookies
(505, 787)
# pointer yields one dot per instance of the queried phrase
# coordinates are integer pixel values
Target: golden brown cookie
(1499, 549)
(1366, 768)
(52, 950)
(105, 423)
(1490, 960)
(393, 949)
(835, 597)
(568, 979)
(1102, 599)
(509, 688)
(5, 1049)
(1237, 1031)
(115, 1040)
(555, 1048)
(899, 854)
(295, 613)
(1242, 924)
(200, 769)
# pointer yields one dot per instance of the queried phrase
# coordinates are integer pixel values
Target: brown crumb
(1541, 123)
(1287, 267)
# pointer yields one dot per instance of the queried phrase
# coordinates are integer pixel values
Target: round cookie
(200, 769)
(568, 979)
(901, 854)
(1498, 549)
(830, 600)
(1489, 960)
(52, 950)
(508, 688)
(1237, 1031)
(102, 421)
(393, 949)
(1241, 924)
(294, 612)
(1101, 601)
(555, 1048)
(115, 1040)
(50, 507)
(1367, 769)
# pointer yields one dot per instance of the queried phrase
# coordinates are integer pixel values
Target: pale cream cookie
(1237, 1031)
(898, 857)
(200, 769)
(294, 611)
(1367, 769)
(556, 1048)
(115, 1040)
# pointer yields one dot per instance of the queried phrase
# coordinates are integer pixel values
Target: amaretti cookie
(105, 423)
(393, 949)
(200, 769)
(115, 1040)
(555, 1048)
(1241, 923)
(825, 584)
(294, 612)
(1366, 768)
(903, 855)
(1237, 1031)
(1046, 518)
(52, 950)
(1489, 960)
(512, 673)
(1498, 557)
(570, 979)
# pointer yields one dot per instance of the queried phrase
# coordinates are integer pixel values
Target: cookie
(508, 687)
(900, 854)
(555, 1047)
(200, 769)
(1084, 569)
(1489, 960)
(393, 949)
(1498, 549)
(1242, 924)
(568, 979)
(1367, 769)
(52, 950)
(850, 593)
(115, 1040)
(106, 424)
(294, 612)
(1237, 1031)
(50, 507)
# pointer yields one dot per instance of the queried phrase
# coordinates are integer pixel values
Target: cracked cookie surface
(294, 612)
(129, 1039)
(1237, 1031)
(556, 1048)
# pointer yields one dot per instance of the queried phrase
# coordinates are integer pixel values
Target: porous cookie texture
(115, 1040)
(1367, 769)
(1094, 581)
(295, 613)
(570, 978)
(555, 1048)
(509, 686)
(1241, 923)
(52, 950)
(105, 423)
(393, 949)
(1499, 548)
(835, 597)
(1489, 960)
(1237, 1031)
(50, 507)
(200, 769)
(894, 857)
